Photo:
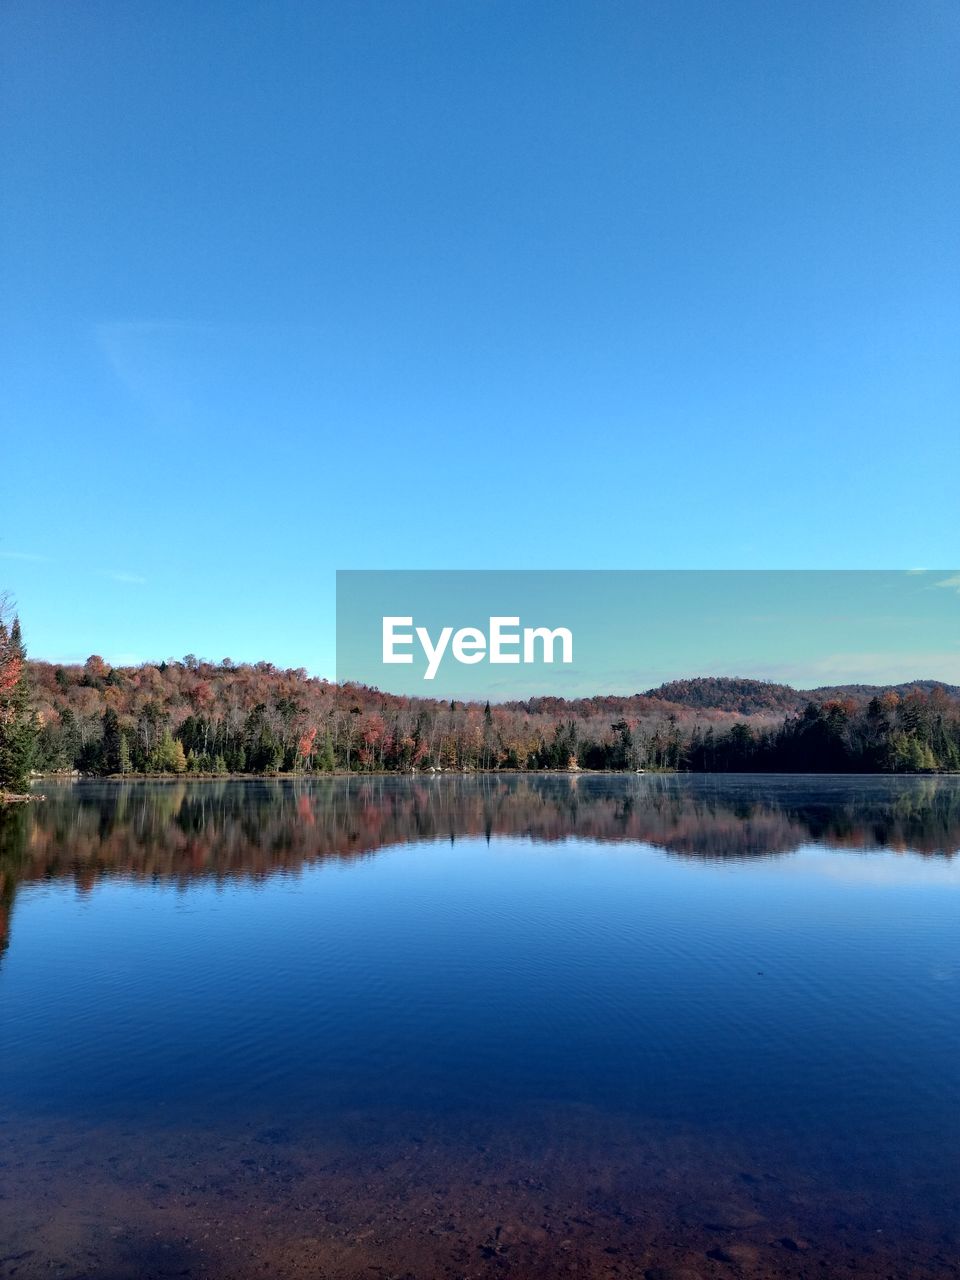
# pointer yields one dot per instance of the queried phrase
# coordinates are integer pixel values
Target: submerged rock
(736, 1255)
(726, 1215)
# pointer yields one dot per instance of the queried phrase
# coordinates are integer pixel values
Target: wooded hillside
(192, 715)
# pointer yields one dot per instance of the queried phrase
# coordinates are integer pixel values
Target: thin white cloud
(115, 575)
(151, 360)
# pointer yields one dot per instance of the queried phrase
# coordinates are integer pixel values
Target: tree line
(195, 717)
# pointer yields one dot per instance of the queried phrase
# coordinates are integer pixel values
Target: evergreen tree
(112, 737)
(17, 727)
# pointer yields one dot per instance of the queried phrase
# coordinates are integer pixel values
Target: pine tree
(17, 728)
(112, 737)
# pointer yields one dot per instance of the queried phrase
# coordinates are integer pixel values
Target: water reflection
(222, 829)
(561, 1026)
(242, 829)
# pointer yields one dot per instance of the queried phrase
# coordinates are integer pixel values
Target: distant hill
(750, 698)
(727, 693)
(865, 692)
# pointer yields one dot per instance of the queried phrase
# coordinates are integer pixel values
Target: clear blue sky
(292, 287)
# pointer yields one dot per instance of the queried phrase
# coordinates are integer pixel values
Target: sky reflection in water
(749, 964)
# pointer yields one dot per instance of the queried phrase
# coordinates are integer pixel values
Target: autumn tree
(306, 747)
(168, 755)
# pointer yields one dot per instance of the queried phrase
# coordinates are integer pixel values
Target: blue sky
(294, 287)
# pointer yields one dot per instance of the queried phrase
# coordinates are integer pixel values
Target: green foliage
(205, 719)
(168, 755)
(18, 730)
(110, 743)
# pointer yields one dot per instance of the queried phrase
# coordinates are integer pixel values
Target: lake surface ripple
(553, 1026)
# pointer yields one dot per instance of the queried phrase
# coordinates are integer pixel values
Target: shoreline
(8, 797)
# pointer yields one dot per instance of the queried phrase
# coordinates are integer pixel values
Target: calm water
(593, 1026)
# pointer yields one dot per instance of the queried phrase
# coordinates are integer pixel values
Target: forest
(191, 716)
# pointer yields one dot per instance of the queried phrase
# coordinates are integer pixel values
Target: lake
(627, 1026)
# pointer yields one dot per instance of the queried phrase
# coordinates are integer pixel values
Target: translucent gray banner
(497, 635)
